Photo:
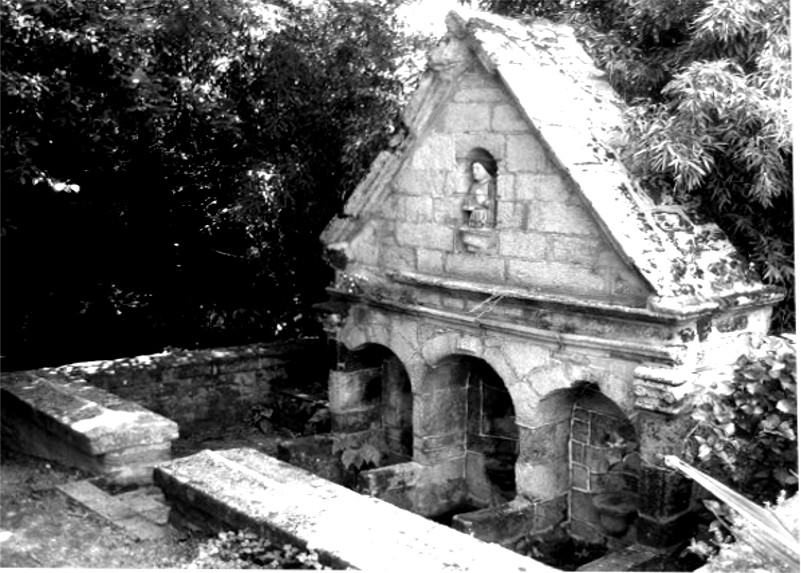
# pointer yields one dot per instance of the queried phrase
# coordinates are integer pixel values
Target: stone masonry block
(465, 118)
(576, 451)
(541, 187)
(663, 493)
(474, 266)
(525, 153)
(627, 284)
(494, 143)
(512, 215)
(441, 412)
(430, 261)
(507, 119)
(557, 276)
(448, 210)
(544, 481)
(524, 245)
(580, 478)
(582, 508)
(434, 153)
(551, 512)
(505, 186)
(416, 209)
(553, 217)
(543, 444)
(399, 258)
(467, 94)
(426, 235)
(421, 182)
(587, 532)
(578, 250)
(365, 251)
(580, 432)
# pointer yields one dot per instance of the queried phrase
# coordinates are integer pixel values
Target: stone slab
(247, 489)
(89, 418)
(140, 520)
(631, 558)
(97, 500)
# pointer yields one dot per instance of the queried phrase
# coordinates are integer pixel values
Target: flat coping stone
(243, 485)
(90, 418)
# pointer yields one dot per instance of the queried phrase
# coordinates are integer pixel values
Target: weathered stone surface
(91, 419)
(274, 497)
(663, 493)
(503, 524)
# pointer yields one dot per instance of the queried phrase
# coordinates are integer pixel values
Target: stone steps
(243, 489)
(141, 513)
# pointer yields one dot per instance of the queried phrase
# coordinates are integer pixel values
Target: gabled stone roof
(690, 265)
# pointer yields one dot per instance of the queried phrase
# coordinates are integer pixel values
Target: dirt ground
(41, 527)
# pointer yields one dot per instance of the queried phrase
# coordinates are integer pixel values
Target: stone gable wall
(546, 237)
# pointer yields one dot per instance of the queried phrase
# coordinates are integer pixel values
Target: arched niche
(373, 391)
(465, 412)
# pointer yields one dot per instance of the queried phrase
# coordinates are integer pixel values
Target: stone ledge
(66, 419)
(245, 489)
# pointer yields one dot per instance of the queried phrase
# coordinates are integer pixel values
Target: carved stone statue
(481, 200)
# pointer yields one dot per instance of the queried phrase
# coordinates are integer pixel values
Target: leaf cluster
(247, 550)
(360, 450)
(747, 427)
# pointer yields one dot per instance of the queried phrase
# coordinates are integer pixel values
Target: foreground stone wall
(200, 387)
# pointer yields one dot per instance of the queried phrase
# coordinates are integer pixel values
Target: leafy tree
(709, 124)
(168, 166)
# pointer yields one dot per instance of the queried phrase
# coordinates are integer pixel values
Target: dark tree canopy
(167, 166)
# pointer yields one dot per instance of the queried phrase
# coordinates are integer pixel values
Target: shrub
(747, 427)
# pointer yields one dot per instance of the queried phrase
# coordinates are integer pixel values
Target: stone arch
(580, 452)
(466, 414)
(372, 391)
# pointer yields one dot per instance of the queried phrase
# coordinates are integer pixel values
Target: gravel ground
(40, 527)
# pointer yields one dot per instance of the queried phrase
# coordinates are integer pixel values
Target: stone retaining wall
(200, 387)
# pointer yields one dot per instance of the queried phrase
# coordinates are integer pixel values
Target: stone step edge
(112, 510)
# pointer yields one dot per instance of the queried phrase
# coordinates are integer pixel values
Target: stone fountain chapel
(526, 335)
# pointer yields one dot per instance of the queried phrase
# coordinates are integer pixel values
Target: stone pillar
(663, 423)
(354, 393)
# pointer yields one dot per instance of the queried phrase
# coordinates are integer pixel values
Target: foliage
(748, 427)
(734, 549)
(709, 83)
(167, 166)
(246, 550)
(360, 450)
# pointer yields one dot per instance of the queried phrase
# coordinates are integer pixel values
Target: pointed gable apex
(575, 118)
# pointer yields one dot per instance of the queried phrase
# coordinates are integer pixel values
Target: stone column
(662, 396)
(351, 384)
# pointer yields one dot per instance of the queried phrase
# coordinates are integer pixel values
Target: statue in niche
(481, 201)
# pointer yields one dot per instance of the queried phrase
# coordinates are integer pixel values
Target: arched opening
(604, 469)
(492, 437)
(467, 414)
(373, 392)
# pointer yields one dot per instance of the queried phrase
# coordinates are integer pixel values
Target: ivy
(360, 450)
